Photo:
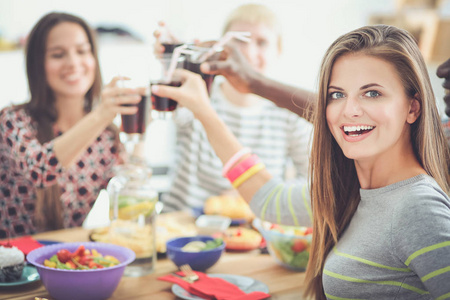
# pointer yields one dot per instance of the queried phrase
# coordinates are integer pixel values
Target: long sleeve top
(26, 164)
(396, 246)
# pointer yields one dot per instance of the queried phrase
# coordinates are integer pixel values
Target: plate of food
(230, 205)
(246, 284)
(29, 274)
(13, 269)
(167, 226)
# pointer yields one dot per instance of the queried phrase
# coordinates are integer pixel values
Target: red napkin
(213, 288)
(24, 244)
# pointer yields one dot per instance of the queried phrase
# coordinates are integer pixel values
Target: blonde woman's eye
(336, 95)
(372, 94)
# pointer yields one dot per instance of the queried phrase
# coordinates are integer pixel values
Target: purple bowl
(81, 284)
(198, 261)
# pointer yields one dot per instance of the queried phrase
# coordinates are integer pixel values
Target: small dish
(210, 224)
(198, 211)
(246, 284)
(29, 274)
(47, 242)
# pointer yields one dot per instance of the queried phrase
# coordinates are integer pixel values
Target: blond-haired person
(279, 137)
(379, 168)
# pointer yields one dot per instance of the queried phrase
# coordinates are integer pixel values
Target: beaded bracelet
(234, 159)
(242, 166)
(247, 174)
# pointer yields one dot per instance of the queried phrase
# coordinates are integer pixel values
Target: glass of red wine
(197, 55)
(132, 127)
(162, 107)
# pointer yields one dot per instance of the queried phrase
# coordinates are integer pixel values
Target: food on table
(290, 245)
(12, 262)
(241, 238)
(137, 237)
(198, 246)
(167, 227)
(81, 259)
(229, 205)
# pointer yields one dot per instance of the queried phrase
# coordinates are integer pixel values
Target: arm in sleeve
(283, 203)
(37, 162)
(421, 235)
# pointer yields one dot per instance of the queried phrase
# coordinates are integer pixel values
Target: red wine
(169, 47)
(195, 67)
(136, 123)
(164, 103)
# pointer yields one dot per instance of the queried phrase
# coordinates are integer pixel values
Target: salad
(289, 245)
(81, 259)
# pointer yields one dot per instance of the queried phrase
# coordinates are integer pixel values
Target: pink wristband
(234, 159)
(243, 166)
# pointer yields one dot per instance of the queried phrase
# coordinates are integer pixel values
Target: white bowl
(210, 224)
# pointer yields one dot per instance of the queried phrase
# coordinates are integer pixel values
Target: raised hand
(443, 71)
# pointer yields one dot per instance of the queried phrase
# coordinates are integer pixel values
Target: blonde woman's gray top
(397, 245)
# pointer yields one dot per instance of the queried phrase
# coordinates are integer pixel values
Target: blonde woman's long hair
(335, 186)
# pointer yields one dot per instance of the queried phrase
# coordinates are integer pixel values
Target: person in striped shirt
(280, 138)
(379, 165)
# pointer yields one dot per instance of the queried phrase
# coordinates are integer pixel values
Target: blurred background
(125, 38)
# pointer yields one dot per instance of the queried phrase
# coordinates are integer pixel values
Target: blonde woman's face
(69, 61)
(262, 51)
(368, 111)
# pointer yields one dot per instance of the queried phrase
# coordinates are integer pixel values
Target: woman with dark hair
(57, 151)
(379, 171)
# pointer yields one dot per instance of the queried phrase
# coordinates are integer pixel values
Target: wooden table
(283, 283)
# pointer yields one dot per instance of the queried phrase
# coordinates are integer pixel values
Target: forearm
(294, 99)
(70, 145)
(225, 145)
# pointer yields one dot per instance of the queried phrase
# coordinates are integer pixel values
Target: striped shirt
(279, 137)
(397, 245)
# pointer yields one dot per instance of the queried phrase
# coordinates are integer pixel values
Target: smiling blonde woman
(379, 174)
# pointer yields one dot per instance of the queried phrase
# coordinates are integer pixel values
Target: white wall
(309, 27)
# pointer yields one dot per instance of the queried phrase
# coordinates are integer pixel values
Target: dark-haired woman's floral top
(26, 164)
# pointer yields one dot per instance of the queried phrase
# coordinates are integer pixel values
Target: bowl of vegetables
(200, 252)
(288, 245)
(88, 270)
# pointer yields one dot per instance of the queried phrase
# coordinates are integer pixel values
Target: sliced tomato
(64, 255)
(298, 246)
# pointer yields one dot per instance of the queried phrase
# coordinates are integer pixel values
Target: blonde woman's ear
(414, 110)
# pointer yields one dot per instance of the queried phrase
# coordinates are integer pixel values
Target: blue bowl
(198, 261)
(81, 284)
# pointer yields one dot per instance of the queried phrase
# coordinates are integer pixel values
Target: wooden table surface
(283, 283)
